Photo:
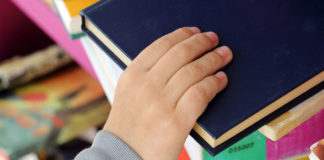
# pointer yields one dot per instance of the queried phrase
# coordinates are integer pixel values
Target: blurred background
(50, 107)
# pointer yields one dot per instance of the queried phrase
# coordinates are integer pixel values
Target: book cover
(68, 11)
(278, 54)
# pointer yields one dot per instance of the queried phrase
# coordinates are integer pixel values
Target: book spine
(99, 43)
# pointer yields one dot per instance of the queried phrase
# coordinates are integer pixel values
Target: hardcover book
(277, 45)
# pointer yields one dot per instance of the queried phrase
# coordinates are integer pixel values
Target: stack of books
(278, 55)
(277, 62)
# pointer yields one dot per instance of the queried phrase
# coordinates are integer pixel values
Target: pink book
(41, 14)
(299, 140)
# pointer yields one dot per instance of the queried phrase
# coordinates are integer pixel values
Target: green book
(251, 147)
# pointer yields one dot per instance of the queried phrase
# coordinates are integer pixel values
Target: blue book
(278, 51)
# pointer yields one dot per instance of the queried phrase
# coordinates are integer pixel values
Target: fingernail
(223, 51)
(220, 75)
(212, 36)
(195, 30)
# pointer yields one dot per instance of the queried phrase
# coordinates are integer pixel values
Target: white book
(107, 71)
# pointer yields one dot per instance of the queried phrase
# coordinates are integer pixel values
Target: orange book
(184, 155)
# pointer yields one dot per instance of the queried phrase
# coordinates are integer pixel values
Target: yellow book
(75, 6)
(69, 12)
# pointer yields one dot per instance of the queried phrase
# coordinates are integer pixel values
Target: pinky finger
(195, 100)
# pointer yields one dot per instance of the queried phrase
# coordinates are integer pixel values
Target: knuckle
(201, 93)
(194, 69)
(202, 39)
(153, 78)
(164, 41)
(185, 48)
(182, 50)
(151, 83)
(146, 87)
(185, 31)
(148, 84)
(215, 84)
(177, 122)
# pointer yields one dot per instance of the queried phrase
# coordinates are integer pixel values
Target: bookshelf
(80, 50)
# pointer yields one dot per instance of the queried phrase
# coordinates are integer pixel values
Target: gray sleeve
(107, 146)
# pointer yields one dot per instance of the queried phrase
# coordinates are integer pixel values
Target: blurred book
(50, 23)
(46, 111)
(69, 13)
(19, 70)
(50, 4)
(299, 157)
(183, 155)
(107, 70)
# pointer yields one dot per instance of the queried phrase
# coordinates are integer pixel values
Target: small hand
(165, 89)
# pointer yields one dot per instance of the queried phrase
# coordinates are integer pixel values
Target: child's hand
(166, 88)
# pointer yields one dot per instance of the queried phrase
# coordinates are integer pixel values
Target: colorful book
(299, 140)
(270, 73)
(53, 109)
(69, 13)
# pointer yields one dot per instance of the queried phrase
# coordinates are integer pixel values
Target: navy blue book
(278, 51)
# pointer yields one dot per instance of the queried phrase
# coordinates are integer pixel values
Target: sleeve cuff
(108, 146)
